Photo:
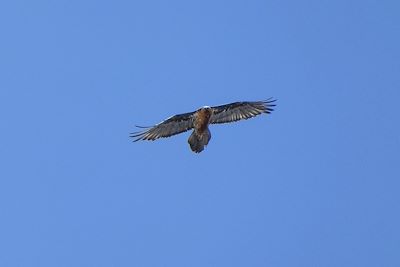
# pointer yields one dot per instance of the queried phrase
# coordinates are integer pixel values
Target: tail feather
(198, 141)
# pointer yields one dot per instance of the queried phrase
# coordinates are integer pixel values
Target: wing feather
(241, 110)
(171, 126)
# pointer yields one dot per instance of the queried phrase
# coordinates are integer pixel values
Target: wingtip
(136, 138)
(269, 104)
(143, 127)
(270, 100)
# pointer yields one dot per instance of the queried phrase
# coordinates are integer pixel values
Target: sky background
(316, 183)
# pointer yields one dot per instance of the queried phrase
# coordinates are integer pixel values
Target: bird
(200, 119)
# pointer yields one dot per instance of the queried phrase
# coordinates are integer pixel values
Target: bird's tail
(198, 141)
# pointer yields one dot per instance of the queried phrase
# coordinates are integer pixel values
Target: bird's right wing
(241, 110)
(171, 126)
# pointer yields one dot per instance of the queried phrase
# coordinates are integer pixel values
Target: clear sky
(316, 183)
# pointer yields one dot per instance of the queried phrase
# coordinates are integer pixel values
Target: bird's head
(206, 111)
(205, 108)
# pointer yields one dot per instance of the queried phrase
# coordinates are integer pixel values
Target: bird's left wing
(171, 126)
(241, 110)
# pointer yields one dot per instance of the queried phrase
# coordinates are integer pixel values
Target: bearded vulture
(200, 119)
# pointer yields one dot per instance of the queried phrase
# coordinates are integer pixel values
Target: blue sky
(316, 183)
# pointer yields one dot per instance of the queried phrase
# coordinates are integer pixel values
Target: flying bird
(200, 119)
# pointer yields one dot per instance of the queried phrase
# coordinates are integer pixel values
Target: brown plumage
(200, 119)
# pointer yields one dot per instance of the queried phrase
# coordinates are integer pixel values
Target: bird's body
(201, 135)
(200, 119)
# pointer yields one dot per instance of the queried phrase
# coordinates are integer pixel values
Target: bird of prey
(200, 119)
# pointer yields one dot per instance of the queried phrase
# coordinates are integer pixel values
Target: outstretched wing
(241, 111)
(171, 126)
